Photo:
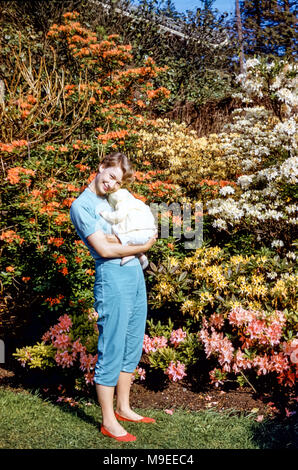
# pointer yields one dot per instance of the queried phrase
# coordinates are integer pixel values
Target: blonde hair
(121, 160)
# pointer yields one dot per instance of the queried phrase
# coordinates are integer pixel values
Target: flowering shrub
(239, 294)
(56, 151)
(264, 143)
(211, 279)
(171, 350)
(194, 163)
(60, 348)
(245, 176)
(252, 341)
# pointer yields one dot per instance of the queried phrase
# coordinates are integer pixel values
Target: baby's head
(117, 196)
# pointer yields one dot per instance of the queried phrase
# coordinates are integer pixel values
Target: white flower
(291, 208)
(251, 63)
(291, 255)
(220, 223)
(272, 275)
(277, 243)
(226, 190)
(287, 96)
(288, 127)
(289, 169)
(244, 181)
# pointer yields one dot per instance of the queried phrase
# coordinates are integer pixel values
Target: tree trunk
(240, 36)
(2, 92)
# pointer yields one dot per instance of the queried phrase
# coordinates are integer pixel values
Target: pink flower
(217, 320)
(61, 342)
(214, 377)
(89, 377)
(294, 356)
(289, 413)
(279, 362)
(87, 361)
(64, 323)
(77, 347)
(177, 336)
(238, 316)
(64, 359)
(263, 364)
(176, 371)
(46, 337)
(260, 418)
(169, 412)
(152, 344)
(141, 372)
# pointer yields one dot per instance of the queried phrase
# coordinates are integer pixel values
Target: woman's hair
(121, 160)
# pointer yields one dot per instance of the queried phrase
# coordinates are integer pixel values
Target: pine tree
(269, 27)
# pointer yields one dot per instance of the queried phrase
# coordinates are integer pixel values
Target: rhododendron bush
(229, 305)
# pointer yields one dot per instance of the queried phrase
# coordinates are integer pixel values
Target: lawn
(27, 421)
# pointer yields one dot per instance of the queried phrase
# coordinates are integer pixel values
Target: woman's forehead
(116, 171)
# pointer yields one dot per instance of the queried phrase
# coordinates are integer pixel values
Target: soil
(169, 396)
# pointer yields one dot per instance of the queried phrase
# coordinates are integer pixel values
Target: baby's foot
(125, 259)
(144, 261)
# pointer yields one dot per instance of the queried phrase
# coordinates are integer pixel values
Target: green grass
(29, 422)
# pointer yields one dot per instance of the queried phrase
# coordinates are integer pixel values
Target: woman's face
(108, 180)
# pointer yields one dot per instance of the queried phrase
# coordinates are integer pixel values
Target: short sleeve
(84, 222)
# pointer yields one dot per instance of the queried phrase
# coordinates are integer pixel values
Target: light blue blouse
(84, 214)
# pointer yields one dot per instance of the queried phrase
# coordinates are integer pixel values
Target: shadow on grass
(276, 433)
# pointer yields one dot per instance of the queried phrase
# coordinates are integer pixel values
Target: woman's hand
(149, 243)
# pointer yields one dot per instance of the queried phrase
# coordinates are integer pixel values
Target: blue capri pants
(121, 303)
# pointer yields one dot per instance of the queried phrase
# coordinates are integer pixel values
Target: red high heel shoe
(142, 420)
(126, 438)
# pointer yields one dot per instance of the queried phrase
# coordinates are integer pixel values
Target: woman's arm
(106, 249)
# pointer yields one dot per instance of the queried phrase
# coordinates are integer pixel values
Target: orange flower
(26, 279)
(10, 235)
(171, 246)
(9, 269)
(61, 218)
(141, 104)
(90, 272)
(13, 174)
(139, 196)
(177, 220)
(82, 167)
(55, 241)
(61, 259)
(64, 271)
(68, 202)
(71, 187)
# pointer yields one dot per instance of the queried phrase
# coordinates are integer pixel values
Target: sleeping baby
(132, 222)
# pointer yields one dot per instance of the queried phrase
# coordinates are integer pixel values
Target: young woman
(120, 296)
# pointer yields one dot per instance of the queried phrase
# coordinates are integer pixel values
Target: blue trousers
(121, 303)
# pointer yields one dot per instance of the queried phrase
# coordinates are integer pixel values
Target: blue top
(84, 214)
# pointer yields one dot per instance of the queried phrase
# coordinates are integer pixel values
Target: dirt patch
(165, 395)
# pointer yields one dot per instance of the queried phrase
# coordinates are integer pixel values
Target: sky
(221, 5)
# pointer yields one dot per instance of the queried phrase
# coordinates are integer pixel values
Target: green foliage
(269, 27)
(39, 356)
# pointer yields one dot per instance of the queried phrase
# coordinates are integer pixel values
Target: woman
(120, 296)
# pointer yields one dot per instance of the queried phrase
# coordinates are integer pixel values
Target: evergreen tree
(269, 27)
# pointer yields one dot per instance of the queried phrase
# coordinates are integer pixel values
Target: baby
(132, 222)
